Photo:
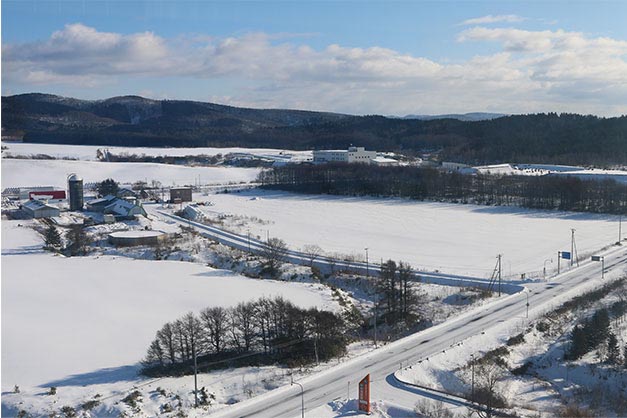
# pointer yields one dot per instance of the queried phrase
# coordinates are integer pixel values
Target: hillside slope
(136, 121)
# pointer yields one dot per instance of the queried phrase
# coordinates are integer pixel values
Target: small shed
(131, 238)
(180, 194)
(39, 209)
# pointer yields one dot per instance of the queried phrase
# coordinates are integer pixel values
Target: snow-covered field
(88, 152)
(24, 173)
(461, 239)
(85, 320)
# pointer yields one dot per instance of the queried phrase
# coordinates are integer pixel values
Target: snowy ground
(24, 173)
(90, 319)
(462, 239)
(550, 382)
(88, 152)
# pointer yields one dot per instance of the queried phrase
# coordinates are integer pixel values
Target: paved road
(329, 385)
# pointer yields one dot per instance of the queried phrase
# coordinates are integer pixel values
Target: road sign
(364, 394)
(596, 258)
(565, 255)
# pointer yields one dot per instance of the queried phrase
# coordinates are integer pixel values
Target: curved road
(329, 385)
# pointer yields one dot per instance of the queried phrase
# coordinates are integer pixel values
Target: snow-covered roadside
(452, 371)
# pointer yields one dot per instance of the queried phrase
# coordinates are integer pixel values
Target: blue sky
(354, 57)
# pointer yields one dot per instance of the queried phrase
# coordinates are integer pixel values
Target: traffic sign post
(364, 394)
(602, 260)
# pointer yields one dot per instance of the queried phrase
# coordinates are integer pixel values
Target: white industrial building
(352, 155)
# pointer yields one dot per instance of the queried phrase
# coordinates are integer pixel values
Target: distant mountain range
(475, 138)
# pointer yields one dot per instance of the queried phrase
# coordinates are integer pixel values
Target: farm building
(124, 209)
(180, 194)
(99, 205)
(47, 195)
(130, 238)
(39, 209)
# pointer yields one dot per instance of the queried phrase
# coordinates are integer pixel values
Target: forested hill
(136, 121)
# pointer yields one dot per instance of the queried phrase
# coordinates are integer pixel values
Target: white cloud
(533, 71)
(484, 20)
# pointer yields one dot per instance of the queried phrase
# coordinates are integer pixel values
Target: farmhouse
(120, 208)
(124, 209)
(352, 155)
(39, 209)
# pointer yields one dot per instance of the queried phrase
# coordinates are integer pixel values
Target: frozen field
(88, 152)
(64, 320)
(462, 239)
(23, 173)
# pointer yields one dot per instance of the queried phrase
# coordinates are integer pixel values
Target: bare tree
(488, 375)
(193, 329)
(274, 252)
(242, 320)
(312, 251)
(215, 321)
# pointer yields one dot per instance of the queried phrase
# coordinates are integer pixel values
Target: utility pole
(559, 257)
(573, 248)
(472, 390)
(316, 349)
(367, 267)
(195, 377)
(376, 297)
(499, 257)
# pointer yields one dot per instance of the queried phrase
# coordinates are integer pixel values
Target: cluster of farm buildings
(48, 202)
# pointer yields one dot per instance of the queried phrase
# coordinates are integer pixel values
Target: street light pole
(302, 398)
(367, 267)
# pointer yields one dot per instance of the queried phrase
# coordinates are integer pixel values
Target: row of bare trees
(261, 331)
(540, 192)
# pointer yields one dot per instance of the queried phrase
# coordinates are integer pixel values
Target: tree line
(264, 331)
(536, 192)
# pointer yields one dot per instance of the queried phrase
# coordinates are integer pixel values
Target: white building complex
(352, 155)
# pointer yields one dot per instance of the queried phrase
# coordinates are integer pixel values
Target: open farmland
(19, 173)
(84, 320)
(460, 239)
(88, 152)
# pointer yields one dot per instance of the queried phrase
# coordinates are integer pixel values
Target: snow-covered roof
(38, 204)
(384, 160)
(106, 199)
(136, 234)
(124, 208)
